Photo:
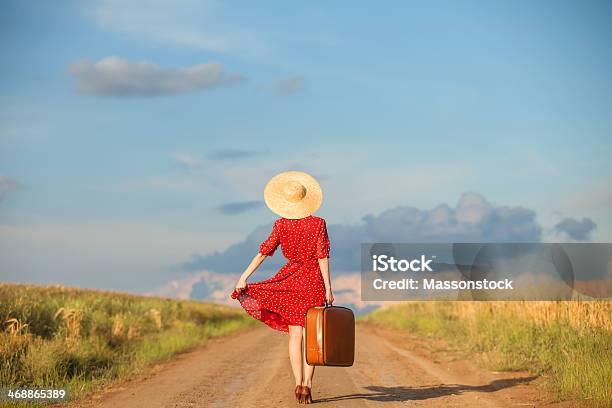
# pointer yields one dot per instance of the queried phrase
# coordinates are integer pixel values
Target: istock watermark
(486, 271)
(383, 263)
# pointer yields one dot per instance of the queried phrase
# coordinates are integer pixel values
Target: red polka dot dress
(284, 299)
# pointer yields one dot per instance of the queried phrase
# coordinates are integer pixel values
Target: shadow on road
(401, 393)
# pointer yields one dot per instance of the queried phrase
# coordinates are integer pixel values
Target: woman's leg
(295, 352)
(309, 373)
(307, 382)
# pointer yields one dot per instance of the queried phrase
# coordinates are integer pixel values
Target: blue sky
(126, 128)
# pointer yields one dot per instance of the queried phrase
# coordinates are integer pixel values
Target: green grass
(577, 363)
(85, 340)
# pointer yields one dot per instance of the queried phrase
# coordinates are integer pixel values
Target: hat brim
(277, 202)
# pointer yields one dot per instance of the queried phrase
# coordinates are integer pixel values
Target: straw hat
(293, 194)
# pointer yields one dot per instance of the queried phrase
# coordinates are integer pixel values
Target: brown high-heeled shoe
(298, 393)
(306, 396)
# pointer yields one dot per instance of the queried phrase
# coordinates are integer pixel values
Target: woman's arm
(255, 262)
(324, 266)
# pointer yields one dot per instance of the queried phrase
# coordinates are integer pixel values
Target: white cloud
(288, 86)
(185, 23)
(219, 287)
(114, 76)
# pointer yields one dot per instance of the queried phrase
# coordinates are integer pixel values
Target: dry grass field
(85, 340)
(569, 342)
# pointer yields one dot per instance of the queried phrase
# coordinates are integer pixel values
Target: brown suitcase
(330, 336)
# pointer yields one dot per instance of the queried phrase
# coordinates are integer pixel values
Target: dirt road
(251, 369)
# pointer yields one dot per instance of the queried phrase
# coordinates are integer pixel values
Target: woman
(282, 301)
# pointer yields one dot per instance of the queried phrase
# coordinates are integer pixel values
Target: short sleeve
(323, 243)
(269, 245)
